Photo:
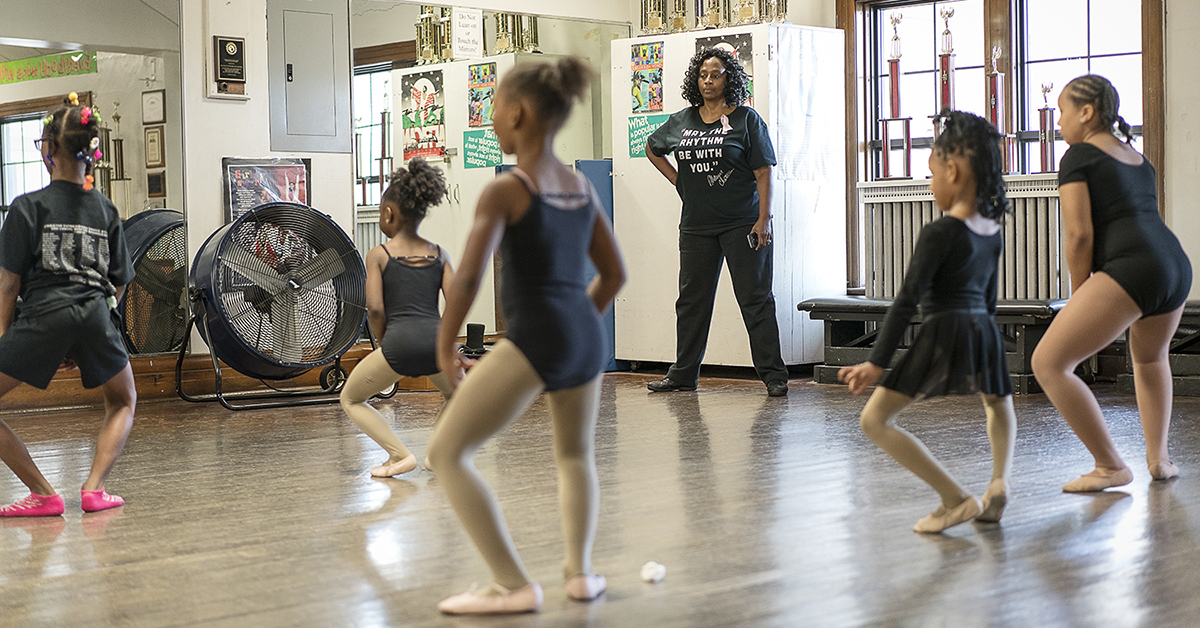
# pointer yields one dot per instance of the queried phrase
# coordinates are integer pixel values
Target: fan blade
(320, 269)
(251, 267)
(284, 340)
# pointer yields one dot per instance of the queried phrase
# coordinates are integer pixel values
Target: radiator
(1031, 266)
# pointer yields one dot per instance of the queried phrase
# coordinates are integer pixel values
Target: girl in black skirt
(958, 348)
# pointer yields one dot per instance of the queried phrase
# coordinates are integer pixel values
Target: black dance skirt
(955, 352)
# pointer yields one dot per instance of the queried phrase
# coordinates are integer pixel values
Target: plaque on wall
(231, 58)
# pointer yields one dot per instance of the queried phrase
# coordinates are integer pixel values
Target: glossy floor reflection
(766, 512)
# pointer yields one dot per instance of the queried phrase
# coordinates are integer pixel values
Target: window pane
(1056, 72)
(1057, 29)
(1116, 26)
(920, 163)
(918, 101)
(968, 91)
(362, 98)
(966, 31)
(917, 38)
(1125, 73)
(12, 177)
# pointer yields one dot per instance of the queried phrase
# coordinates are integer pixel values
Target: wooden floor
(766, 512)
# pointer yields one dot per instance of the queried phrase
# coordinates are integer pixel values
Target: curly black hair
(969, 135)
(415, 189)
(737, 82)
(65, 127)
(1097, 91)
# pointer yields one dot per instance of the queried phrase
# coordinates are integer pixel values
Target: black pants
(700, 259)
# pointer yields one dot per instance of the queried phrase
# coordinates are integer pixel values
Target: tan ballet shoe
(389, 469)
(493, 600)
(994, 501)
(1163, 470)
(586, 587)
(944, 518)
(1095, 481)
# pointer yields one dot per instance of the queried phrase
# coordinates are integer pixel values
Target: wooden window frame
(998, 20)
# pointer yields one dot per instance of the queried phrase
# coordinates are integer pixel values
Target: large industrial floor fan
(275, 293)
(153, 308)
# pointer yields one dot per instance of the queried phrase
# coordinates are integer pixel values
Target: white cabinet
(798, 75)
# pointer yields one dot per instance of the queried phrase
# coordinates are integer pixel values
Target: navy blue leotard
(410, 298)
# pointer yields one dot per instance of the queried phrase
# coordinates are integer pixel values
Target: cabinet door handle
(289, 73)
(456, 197)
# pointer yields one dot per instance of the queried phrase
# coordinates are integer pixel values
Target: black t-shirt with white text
(66, 244)
(716, 164)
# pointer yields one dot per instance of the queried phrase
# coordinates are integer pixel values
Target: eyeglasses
(38, 143)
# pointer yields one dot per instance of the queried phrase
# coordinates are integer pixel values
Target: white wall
(1181, 176)
(124, 26)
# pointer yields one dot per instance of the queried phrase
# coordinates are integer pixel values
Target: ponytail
(552, 88)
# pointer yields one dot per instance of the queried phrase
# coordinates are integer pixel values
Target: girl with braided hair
(1128, 271)
(404, 277)
(63, 252)
(958, 348)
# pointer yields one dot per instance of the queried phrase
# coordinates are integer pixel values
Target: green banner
(481, 149)
(640, 129)
(49, 66)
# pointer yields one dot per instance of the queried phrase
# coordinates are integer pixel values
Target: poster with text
(249, 183)
(646, 89)
(640, 130)
(740, 47)
(481, 149)
(424, 108)
(481, 89)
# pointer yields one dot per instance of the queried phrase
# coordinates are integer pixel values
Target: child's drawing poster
(740, 47)
(646, 88)
(424, 115)
(481, 89)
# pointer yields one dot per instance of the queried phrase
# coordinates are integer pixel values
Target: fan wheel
(333, 378)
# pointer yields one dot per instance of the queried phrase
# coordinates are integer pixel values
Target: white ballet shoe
(1095, 481)
(586, 587)
(994, 501)
(400, 467)
(1163, 470)
(944, 518)
(493, 600)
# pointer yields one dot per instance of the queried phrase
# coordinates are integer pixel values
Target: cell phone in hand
(752, 238)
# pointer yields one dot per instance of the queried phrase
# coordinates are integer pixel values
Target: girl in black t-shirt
(958, 348)
(63, 252)
(1128, 271)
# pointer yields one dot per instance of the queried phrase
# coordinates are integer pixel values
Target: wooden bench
(851, 324)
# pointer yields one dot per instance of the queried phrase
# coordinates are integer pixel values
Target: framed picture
(154, 106)
(156, 184)
(156, 154)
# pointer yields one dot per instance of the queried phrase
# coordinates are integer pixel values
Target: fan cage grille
(154, 306)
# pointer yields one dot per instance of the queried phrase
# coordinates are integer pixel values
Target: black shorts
(33, 347)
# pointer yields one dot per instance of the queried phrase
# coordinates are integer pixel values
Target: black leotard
(1129, 241)
(410, 298)
(543, 288)
(958, 349)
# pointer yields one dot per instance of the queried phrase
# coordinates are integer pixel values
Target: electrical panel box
(308, 57)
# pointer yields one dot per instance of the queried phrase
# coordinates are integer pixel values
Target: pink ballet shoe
(95, 501)
(1095, 481)
(400, 467)
(586, 587)
(994, 501)
(493, 600)
(1163, 470)
(35, 506)
(944, 518)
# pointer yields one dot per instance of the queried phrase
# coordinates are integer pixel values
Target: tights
(1098, 312)
(878, 422)
(497, 391)
(371, 376)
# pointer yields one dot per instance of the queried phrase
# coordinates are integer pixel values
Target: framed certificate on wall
(156, 155)
(154, 108)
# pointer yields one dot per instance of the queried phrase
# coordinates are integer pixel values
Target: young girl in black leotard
(1128, 271)
(404, 276)
(547, 222)
(958, 348)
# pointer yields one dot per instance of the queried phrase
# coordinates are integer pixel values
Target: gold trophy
(427, 36)
(745, 12)
(653, 22)
(504, 33)
(679, 16)
(446, 34)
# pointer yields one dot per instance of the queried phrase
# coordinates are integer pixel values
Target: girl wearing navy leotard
(547, 222)
(1128, 271)
(404, 276)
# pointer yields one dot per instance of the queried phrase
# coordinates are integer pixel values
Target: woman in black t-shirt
(724, 159)
(1128, 271)
(62, 250)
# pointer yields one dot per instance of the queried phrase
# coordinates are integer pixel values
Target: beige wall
(1181, 176)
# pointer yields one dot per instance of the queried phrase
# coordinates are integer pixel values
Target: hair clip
(94, 144)
(99, 154)
(48, 120)
(73, 98)
(84, 115)
(88, 181)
